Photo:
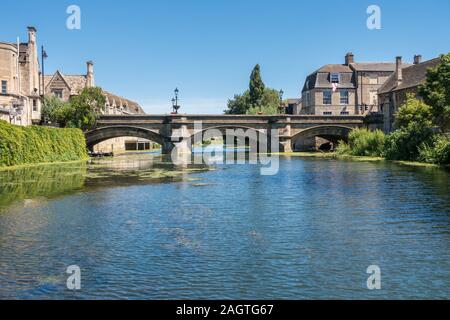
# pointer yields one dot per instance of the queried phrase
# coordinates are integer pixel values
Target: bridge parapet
(171, 129)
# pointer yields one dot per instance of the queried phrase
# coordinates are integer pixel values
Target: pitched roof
(376, 66)
(74, 82)
(413, 76)
(321, 77)
(133, 107)
(335, 68)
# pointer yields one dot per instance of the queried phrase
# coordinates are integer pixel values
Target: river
(140, 227)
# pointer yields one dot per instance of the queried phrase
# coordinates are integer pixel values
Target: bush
(404, 144)
(28, 145)
(363, 142)
(436, 151)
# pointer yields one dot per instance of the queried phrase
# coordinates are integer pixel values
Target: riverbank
(332, 155)
(317, 155)
(37, 144)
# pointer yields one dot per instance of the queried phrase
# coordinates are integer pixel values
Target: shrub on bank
(404, 144)
(363, 142)
(436, 151)
(30, 145)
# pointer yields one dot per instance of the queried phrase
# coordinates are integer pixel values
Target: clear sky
(143, 49)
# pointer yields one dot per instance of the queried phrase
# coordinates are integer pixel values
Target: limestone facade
(20, 100)
(66, 86)
(392, 95)
(345, 89)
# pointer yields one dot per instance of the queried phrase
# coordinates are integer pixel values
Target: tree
(257, 87)
(86, 108)
(80, 112)
(436, 93)
(255, 100)
(413, 111)
(239, 104)
(56, 111)
(270, 103)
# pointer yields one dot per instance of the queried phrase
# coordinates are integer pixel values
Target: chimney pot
(398, 70)
(349, 58)
(90, 74)
(417, 59)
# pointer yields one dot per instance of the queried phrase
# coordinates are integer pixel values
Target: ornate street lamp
(175, 105)
(282, 109)
(43, 57)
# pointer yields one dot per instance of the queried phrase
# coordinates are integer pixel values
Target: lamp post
(43, 57)
(282, 109)
(175, 105)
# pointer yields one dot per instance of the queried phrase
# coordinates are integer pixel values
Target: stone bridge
(181, 130)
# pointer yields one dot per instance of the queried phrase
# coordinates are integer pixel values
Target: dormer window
(335, 78)
(58, 93)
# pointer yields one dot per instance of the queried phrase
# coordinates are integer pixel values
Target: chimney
(398, 70)
(31, 35)
(90, 75)
(349, 58)
(417, 59)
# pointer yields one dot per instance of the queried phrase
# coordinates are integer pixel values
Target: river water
(140, 227)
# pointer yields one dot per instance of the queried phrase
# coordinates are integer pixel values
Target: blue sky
(207, 48)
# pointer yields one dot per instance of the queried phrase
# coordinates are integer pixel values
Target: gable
(57, 82)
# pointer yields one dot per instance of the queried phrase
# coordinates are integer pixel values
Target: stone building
(66, 86)
(345, 89)
(20, 100)
(392, 95)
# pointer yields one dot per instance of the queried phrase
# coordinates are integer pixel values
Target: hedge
(36, 144)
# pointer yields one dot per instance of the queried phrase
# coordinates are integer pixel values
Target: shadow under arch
(247, 131)
(99, 135)
(332, 133)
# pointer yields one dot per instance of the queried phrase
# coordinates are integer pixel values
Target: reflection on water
(141, 227)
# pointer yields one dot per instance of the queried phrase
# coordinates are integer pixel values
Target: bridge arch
(99, 135)
(332, 133)
(248, 131)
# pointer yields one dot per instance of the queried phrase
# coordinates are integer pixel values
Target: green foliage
(35, 144)
(56, 111)
(258, 99)
(270, 102)
(414, 111)
(436, 93)
(80, 112)
(404, 144)
(257, 87)
(363, 142)
(86, 108)
(239, 104)
(436, 151)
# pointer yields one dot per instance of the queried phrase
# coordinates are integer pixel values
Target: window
(58, 93)
(306, 100)
(327, 94)
(35, 109)
(344, 97)
(373, 80)
(4, 87)
(345, 113)
(335, 78)
(373, 96)
(328, 113)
